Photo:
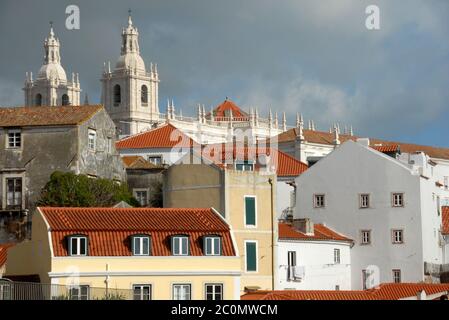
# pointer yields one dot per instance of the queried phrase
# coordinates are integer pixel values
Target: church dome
(130, 61)
(52, 71)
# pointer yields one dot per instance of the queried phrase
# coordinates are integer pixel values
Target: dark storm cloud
(312, 56)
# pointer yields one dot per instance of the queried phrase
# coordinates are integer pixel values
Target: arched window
(144, 95)
(38, 101)
(65, 100)
(117, 95)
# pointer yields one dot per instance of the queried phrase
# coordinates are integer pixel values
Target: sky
(308, 56)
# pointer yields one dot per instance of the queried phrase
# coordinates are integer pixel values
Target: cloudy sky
(315, 57)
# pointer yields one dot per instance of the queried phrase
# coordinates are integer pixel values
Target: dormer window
(180, 245)
(212, 246)
(141, 245)
(78, 245)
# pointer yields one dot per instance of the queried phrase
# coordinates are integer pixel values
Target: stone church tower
(51, 87)
(129, 92)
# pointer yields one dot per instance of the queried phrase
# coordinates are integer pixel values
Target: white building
(312, 257)
(51, 87)
(389, 206)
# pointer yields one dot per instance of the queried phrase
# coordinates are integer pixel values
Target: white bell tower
(51, 87)
(129, 92)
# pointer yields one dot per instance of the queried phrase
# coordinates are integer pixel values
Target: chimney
(304, 225)
(421, 295)
(363, 141)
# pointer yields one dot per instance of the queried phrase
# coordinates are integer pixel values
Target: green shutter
(251, 256)
(250, 211)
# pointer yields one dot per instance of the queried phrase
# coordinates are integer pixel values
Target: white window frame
(136, 190)
(363, 238)
(291, 258)
(337, 256)
(245, 165)
(16, 139)
(156, 156)
(315, 200)
(182, 285)
(79, 295)
(397, 275)
(364, 204)
(92, 139)
(141, 286)
(214, 285)
(257, 256)
(14, 192)
(180, 239)
(141, 239)
(212, 247)
(395, 201)
(255, 211)
(393, 236)
(78, 239)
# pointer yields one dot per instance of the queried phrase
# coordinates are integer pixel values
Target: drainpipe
(270, 181)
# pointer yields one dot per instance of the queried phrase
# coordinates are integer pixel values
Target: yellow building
(243, 191)
(140, 253)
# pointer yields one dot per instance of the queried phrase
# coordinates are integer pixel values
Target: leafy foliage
(66, 189)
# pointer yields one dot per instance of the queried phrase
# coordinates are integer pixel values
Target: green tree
(66, 189)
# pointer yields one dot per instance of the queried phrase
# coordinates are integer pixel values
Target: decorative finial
(51, 29)
(130, 21)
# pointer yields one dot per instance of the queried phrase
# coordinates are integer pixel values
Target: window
(398, 199)
(251, 256)
(109, 145)
(291, 258)
(337, 288)
(142, 292)
(14, 138)
(156, 160)
(141, 245)
(336, 256)
(398, 236)
(5, 290)
(144, 95)
(14, 193)
(79, 293)
(181, 291)
(92, 139)
(117, 95)
(250, 211)
(78, 246)
(364, 201)
(180, 246)
(244, 166)
(65, 100)
(214, 291)
(319, 201)
(396, 276)
(38, 100)
(142, 197)
(366, 237)
(364, 279)
(212, 246)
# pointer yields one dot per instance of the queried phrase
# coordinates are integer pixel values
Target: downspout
(270, 181)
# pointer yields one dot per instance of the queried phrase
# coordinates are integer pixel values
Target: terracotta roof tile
(387, 291)
(445, 220)
(109, 229)
(321, 232)
(4, 252)
(321, 137)
(138, 162)
(46, 116)
(166, 136)
(223, 111)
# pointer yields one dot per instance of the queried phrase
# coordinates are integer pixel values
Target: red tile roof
(109, 229)
(321, 233)
(4, 252)
(285, 165)
(387, 291)
(386, 149)
(138, 162)
(321, 137)
(166, 136)
(223, 111)
(46, 116)
(445, 220)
